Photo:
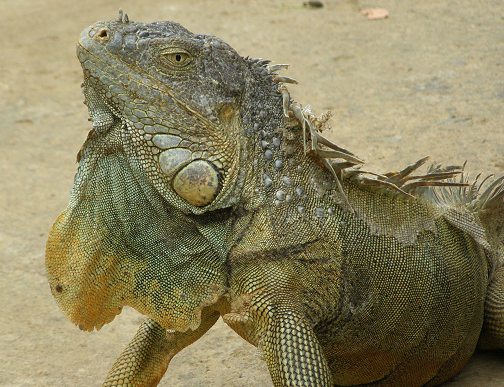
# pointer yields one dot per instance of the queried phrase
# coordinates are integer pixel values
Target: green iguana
(203, 190)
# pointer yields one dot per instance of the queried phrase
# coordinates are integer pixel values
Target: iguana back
(203, 190)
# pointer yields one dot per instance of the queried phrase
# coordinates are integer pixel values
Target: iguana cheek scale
(203, 190)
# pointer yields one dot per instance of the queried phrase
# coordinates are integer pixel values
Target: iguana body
(203, 191)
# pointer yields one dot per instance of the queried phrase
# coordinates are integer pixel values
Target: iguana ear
(118, 243)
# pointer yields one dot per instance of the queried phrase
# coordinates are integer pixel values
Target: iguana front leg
(293, 353)
(145, 360)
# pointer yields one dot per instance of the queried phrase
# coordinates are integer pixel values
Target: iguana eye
(176, 59)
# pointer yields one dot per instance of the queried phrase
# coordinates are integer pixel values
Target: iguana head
(180, 97)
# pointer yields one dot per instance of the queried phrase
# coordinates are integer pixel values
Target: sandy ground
(427, 80)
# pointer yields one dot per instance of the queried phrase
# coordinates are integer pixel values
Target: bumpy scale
(203, 190)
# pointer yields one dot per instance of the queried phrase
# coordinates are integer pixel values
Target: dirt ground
(427, 80)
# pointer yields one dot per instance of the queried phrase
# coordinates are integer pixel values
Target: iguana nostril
(102, 35)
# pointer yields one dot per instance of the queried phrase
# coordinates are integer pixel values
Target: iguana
(204, 190)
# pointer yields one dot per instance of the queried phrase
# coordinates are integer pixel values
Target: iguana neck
(287, 192)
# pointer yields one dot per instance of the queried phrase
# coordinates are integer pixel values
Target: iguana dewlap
(203, 190)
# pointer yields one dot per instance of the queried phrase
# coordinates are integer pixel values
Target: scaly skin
(203, 191)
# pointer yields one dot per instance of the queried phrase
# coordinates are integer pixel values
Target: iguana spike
(434, 176)
(397, 177)
(412, 186)
(120, 17)
(263, 63)
(324, 141)
(382, 183)
(474, 190)
(300, 117)
(281, 79)
(357, 172)
(277, 67)
(328, 165)
(437, 168)
(432, 180)
(440, 196)
(405, 183)
(314, 140)
(483, 182)
(340, 166)
(493, 193)
(258, 63)
(285, 100)
(300, 114)
(333, 154)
